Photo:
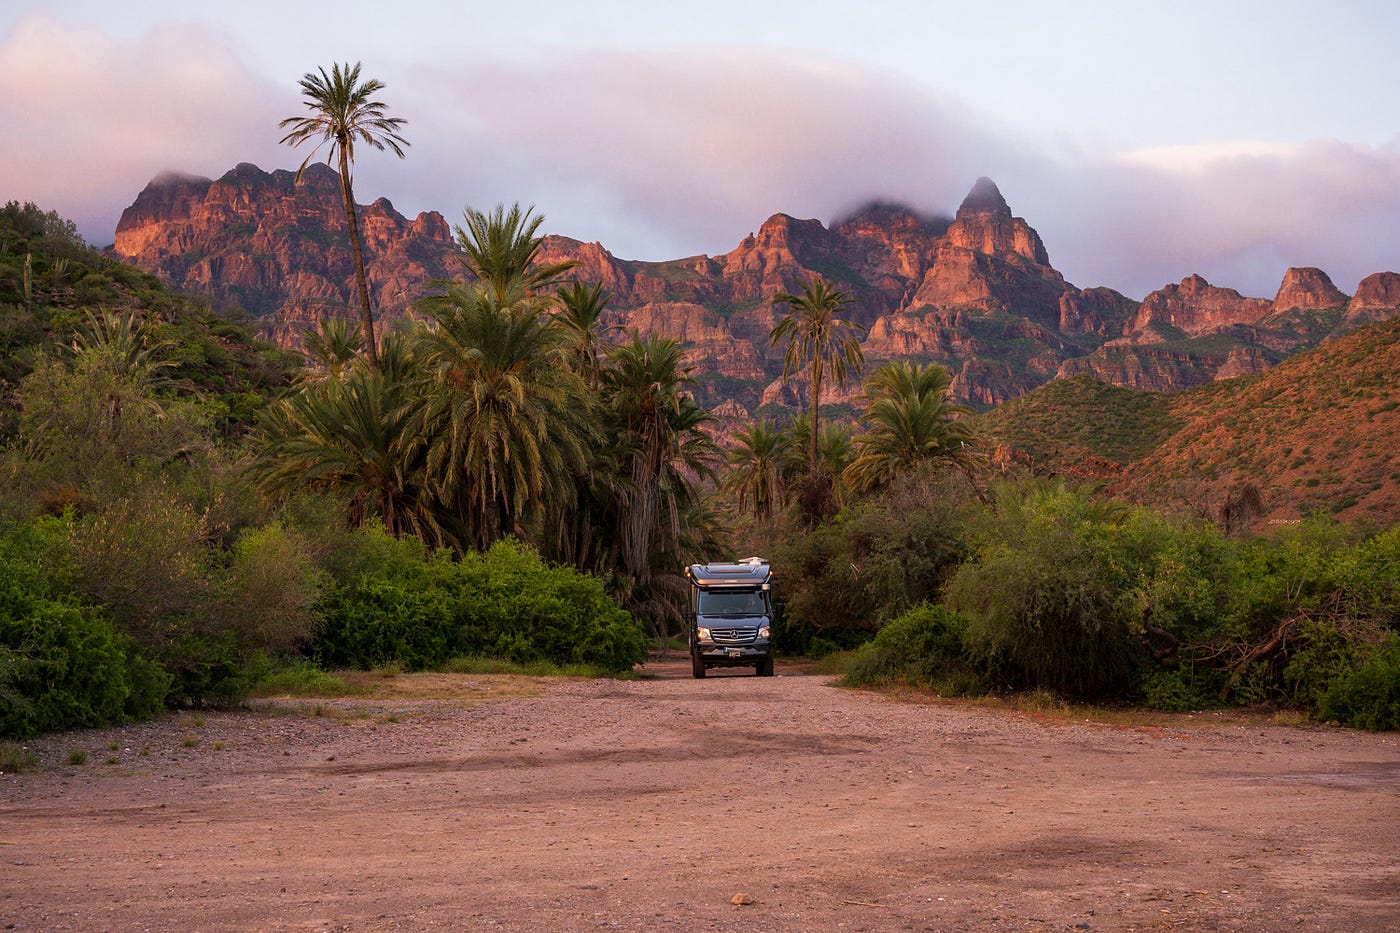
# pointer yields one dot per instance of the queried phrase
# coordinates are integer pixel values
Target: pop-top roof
(750, 572)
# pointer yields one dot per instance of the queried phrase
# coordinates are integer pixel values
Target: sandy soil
(500, 803)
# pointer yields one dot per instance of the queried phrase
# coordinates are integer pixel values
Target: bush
(517, 607)
(1369, 696)
(844, 580)
(62, 664)
(145, 558)
(923, 648)
(302, 678)
(376, 621)
(63, 667)
(505, 603)
(1181, 689)
(211, 669)
(1052, 588)
(271, 590)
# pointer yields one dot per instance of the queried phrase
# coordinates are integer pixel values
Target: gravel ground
(507, 803)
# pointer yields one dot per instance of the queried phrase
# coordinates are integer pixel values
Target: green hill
(50, 279)
(1316, 433)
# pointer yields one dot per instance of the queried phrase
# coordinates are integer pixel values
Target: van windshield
(734, 603)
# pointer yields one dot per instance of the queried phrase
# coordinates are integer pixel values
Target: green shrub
(62, 664)
(376, 621)
(505, 603)
(1053, 590)
(301, 678)
(62, 667)
(515, 606)
(923, 647)
(145, 558)
(842, 581)
(271, 590)
(1181, 689)
(1369, 696)
(211, 669)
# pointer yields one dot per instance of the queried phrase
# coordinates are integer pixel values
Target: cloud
(89, 119)
(655, 153)
(661, 154)
(1239, 213)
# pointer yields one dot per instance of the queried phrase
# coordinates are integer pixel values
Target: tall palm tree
(343, 110)
(820, 339)
(910, 420)
(509, 425)
(755, 476)
(665, 455)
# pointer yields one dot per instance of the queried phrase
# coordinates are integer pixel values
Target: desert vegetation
(188, 512)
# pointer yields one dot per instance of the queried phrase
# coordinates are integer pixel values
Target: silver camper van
(731, 616)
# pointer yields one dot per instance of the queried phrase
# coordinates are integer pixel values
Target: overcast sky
(1144, 141)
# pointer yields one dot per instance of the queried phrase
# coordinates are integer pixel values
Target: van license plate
(733, 652)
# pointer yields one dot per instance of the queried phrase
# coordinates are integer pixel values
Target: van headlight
(765, 631)
(702, 634)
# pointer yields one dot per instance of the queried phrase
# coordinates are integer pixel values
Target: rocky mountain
(976, 292)
(279, 248)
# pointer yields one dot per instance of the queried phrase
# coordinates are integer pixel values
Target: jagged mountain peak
(984, 198)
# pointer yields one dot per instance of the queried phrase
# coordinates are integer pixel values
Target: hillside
(1316, 433)
(49, 278)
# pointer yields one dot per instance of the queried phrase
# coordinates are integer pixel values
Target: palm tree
(818, 338)
(509, 425)
(755, 476)
(910, 420)
(500, 248)
(665, 454)
(581, 315)
(343, 110)
(834, 449)
(332, 347)
(352, 437)
(130, 367)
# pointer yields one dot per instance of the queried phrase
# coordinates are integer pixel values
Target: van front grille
(733, 636)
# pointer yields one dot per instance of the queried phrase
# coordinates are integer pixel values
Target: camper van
(731, 616)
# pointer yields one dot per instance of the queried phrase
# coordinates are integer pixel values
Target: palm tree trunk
(816, 403)
(366, 315)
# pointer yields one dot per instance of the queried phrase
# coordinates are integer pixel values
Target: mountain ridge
(975, 292)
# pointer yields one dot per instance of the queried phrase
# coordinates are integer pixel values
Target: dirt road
(500, 803)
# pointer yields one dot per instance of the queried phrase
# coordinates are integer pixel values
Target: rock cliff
(1376, 298)
(280, 248)
(1307, 289)
(1196, 307)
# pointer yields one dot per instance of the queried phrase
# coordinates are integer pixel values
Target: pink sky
(664, 144)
